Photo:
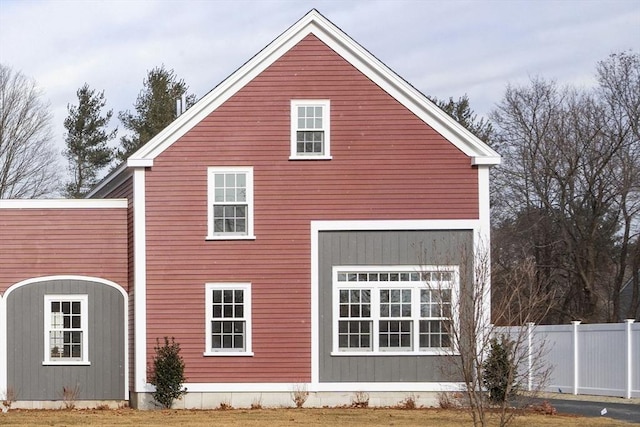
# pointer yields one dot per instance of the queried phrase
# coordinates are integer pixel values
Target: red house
(281, 230)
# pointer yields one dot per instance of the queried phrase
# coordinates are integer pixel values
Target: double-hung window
(399, 310)
(65, 329)
(355, 324)
(230, 208)
(310, 129)
(228, 327)
(435, 311)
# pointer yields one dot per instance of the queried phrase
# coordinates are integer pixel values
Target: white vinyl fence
(598, 359)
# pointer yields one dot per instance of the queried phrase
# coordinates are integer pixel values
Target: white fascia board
(139, 163)
(222, 92)
(406, 94)
(63, 203)
(351, 51)
(486, 161)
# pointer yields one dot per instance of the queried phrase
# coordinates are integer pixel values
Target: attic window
(310, 135)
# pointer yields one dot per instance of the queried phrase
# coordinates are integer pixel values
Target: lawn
(279, 417)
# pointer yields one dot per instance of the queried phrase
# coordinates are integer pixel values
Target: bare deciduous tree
(619, 93)
(27, 155)
(567, 192)
(472, 333)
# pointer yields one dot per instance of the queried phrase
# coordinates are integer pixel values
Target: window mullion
(375, 317)
(415, 318)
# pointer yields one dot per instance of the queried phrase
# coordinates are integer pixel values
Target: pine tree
(155, 109)
(461, 111)
(87, 141)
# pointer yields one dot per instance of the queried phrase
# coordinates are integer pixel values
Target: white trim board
(321, 387)
(314, 23)
(139, 279)
(63, 203)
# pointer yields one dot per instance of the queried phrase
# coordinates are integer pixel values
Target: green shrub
(499, 370)
(168, 373)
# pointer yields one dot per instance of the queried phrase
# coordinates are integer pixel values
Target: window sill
(67, 363)
(227, 353)
(434, 352)
(310, 157)
(230, 238)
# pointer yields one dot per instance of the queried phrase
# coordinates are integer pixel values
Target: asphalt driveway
(619, 411)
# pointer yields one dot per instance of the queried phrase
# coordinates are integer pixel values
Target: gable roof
(314, 23)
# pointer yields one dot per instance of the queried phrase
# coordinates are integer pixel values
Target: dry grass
(280, 417)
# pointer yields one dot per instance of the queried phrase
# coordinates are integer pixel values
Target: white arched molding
(3, 322)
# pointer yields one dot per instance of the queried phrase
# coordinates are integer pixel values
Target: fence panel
(602, 359)
(558, 346)
(598, 359)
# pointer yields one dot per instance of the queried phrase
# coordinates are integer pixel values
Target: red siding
(45, 242)
(387, 164)
(125, 191)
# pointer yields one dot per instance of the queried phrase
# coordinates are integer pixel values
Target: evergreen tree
(155, 109)
(87, 138)
(167, 374)
(461, 112)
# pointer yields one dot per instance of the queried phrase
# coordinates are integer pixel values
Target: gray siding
(103, 379)
(385, 248)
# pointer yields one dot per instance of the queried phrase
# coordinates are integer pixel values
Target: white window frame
(375, 286)
(249, 234)
(326, 128)
(246, 288)
(84, 328)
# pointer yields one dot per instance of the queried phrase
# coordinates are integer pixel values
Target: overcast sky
(443, 48)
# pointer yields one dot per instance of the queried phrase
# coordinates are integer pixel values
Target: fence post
(530, 354)
(576, 359)
(629, 357)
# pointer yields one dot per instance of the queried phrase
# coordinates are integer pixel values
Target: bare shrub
(408, 402)
(360, 400)
(225, 405)
(257, 403)
(70, 395)
(543, 408)
(9, 396)
(299, 394)
(450, 400)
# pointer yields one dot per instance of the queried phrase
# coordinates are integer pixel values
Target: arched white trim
(3, 321)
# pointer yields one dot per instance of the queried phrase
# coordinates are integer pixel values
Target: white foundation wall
(210, 400)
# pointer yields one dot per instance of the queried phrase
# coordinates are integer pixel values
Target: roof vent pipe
(181, 105)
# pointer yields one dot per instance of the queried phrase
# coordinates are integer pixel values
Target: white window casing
(228, 319)
(310, 129)
(66, 328)
(230, 203)
(394, 310)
